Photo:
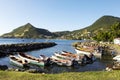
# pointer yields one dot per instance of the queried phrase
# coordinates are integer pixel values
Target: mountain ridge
(29, 31)
(103, 23)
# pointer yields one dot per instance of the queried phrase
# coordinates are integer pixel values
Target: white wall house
(117, 41)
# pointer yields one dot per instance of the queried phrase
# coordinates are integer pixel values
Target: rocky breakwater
(7, 49)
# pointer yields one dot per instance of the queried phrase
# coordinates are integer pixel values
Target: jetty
(7, 49)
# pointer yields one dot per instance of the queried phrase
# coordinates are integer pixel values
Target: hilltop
(103, 24)
(28, 31)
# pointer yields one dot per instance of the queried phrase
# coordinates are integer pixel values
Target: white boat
(31, 59)
(56, 61)
(43, 57)
(96, 54)
(85, 58)
(18, 61)
(47, 60)
(82, 52)
(117, 58)
(71, 56)
(63, 56)
(61, 62)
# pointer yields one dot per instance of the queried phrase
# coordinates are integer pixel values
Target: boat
(61, 62)
(117, 58)
(82, 52)
(46, 60)
(43, 57)
(18, 61)
(56, 61)
(70, 56)
(63, 56)
(84, 58)
(88, 52)
(114, 66)
(31, 59)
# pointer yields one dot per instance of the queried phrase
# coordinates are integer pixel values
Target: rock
(31, 71)
(3, 67)
(17, 69)
(108, 69)
(10, 69)
(43, 73)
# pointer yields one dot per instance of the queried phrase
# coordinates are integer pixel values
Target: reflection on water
(61, 45)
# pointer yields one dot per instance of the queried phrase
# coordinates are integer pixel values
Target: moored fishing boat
(46, 60)
(78, 51)
(71, 55)
(81, 57)
(63, 56)
(114, 66)
(18, 61)
(88, 52)
(31, 59)
(56, 62)
(43, 57)
(117, 58)
(61, 61)
(78, 58)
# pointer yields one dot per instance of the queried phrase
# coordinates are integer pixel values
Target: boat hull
(117, 58)
(33, 62)
(97, 55)
(61, 62)
(18, 63)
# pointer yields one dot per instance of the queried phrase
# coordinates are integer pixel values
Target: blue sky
(54, 15)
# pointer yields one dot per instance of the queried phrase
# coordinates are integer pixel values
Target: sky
(54, 15)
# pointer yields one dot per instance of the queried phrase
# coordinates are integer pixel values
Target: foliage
(110, 34)
(103, 24)
(100, 30)
(29, 31)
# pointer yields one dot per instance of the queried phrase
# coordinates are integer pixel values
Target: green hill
(102, 24)
(59, 34)
(28, 31)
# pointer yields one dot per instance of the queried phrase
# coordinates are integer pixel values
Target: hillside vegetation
(28, 31)
(104, 22)
(102, 25)
(110, 34)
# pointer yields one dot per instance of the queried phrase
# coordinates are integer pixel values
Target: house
(117, 41)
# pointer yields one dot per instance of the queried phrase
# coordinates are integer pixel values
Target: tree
(110, 34)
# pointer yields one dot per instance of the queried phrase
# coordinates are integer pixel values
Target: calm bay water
(61, 45)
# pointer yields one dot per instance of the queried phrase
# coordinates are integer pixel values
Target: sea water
(65, 45)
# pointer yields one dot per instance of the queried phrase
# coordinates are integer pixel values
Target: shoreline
(115, 47)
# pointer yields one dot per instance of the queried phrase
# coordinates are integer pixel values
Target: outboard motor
(88, 59)
(48, 62)
(74, 62)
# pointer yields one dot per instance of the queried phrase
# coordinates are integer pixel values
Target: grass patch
(92, 75)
